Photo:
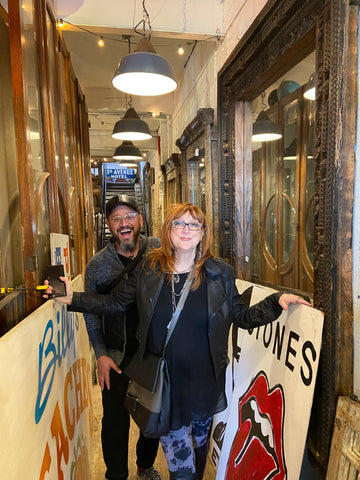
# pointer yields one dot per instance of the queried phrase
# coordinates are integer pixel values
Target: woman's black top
(195, 392)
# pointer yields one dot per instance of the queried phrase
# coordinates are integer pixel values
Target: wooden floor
(97, 466)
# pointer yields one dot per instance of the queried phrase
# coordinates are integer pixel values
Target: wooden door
(283, 189)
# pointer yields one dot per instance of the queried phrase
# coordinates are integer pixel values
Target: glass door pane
(309, 186)
(289, 181)
(270, 198)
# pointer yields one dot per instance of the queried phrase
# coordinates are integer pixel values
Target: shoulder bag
(148, 395)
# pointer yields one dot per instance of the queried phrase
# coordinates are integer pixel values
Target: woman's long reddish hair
(162, 260)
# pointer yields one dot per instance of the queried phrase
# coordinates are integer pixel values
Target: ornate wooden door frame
(283, 33)
(203, 124)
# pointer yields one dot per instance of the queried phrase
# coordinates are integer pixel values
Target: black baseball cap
(119, 200)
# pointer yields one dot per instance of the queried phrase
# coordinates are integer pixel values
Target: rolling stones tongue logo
(257, 450)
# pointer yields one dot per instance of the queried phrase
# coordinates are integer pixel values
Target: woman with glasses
(197, 350)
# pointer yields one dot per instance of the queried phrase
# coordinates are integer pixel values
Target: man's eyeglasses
(129, 216)
(180, 225)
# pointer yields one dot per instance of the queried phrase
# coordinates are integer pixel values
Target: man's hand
(67, 299)
(104, 365)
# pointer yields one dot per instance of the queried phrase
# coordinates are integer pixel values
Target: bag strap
(179, 307)
(129, 267)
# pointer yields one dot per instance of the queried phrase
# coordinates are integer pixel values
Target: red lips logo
(257, 450)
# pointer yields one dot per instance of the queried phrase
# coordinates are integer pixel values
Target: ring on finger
(297, 300)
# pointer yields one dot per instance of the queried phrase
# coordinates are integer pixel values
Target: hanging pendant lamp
(264, 130)
(144, 72)
(131, 127)
(127, 164)
(127, 151)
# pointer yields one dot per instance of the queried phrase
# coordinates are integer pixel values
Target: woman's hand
(67, 299)
(287, 298)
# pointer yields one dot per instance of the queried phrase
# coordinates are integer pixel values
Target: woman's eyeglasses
(128, 216)
(180, 225)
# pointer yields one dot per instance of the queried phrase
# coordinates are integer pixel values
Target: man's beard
(128, 247)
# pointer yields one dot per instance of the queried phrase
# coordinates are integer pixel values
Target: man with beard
(113, 337)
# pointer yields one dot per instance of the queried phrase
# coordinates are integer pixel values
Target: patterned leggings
(181, 448)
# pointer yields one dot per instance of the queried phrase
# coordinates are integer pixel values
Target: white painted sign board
(264, 434)
(45, 396)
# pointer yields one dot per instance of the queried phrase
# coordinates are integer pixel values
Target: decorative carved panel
(284, 33)
(200, 137)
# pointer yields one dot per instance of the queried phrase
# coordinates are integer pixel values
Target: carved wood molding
(204, 116)
(266, 52)
(334, 157)
(173, 161)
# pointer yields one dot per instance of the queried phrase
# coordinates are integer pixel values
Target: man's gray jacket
(107, 334)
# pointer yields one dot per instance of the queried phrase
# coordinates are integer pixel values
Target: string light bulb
(60, 23)
(180, 51)
(101, 42)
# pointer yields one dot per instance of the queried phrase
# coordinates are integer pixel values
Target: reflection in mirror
(283, 185)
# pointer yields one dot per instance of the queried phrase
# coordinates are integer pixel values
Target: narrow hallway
(97, 467)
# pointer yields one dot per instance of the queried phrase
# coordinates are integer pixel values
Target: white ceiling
(173, 23)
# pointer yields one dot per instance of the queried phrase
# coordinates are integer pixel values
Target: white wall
(199, 87)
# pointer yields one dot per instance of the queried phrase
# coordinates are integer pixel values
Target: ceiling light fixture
(127, 151)
(128, 165)
(131, 127)
(309, 93)
(264, 130)
(144, 72)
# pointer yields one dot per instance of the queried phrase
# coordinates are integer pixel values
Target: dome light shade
(264, 130)
(290, 151)
(127, 151)
(126, 164)
(131, 127)
(144, 72)
(309, 93)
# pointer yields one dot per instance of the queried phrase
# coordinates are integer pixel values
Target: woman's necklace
(175, 279)
(174, 294)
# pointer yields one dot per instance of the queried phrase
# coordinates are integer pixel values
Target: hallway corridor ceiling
(174, 23)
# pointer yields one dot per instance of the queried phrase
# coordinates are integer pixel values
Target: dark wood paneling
(281, 36)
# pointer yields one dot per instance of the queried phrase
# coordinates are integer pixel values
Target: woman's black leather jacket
(225, 306)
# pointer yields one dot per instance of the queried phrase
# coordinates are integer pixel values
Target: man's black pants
(115, 432)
